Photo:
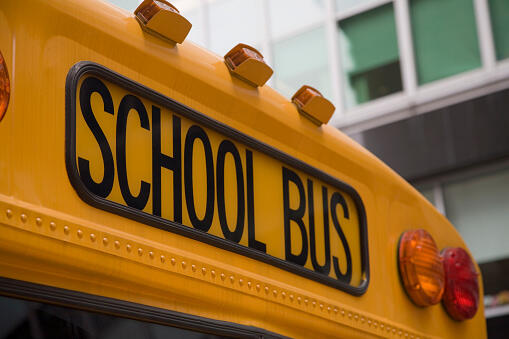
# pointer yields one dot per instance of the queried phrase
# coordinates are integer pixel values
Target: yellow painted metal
(48, 235)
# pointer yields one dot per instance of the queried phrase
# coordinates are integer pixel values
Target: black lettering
(196, 132)
(103, 188)
(226, 147)
(336, 199)
(174, 164)
(325, 268)
(128, 103)
(251, 237)
(296, 216)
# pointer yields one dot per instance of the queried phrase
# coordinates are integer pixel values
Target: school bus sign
(137, 153)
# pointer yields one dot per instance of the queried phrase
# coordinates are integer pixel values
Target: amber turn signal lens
(461, 297)
(5, 87)
(421, 268)
(149, 8)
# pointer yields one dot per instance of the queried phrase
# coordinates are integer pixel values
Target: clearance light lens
(421, 268)
(461, 297)
(5, 87)
(149, 8)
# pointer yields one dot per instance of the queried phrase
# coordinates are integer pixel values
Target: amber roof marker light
(247, 63)
(421, 268)
(5, 87)
(311, 103)
(162, 19)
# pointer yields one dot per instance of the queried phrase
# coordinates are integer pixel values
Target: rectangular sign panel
(136, 153)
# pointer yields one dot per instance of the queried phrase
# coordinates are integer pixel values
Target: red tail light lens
(461, 296)
(5, 87)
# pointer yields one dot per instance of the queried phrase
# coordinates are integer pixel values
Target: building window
(302, 60)
(369, 55)
(234, 21)
(445, 38)
(288, 16)
(344, 5)
(499, 10)
(478, 207)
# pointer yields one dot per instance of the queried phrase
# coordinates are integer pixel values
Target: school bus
(150, 189)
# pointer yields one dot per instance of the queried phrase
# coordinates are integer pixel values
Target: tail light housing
(461, 296)
(421, 268)
(5, 87)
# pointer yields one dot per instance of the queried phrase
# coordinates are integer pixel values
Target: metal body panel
(49, 236)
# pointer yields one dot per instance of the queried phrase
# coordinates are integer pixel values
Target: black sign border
(87, 67)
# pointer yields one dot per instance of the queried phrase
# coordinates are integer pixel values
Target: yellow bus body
(49, 236)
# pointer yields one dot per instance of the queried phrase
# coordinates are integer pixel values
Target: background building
(423, 84)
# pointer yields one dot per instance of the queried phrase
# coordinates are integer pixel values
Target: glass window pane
(27, 319)
(445, 38)
(479, 208)
(129, 5)
(369, 55)
(287, 16)
(343, 5)
(499, 10)
(233, 22)
(295, 66)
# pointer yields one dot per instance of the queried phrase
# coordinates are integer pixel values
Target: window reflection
(369, 55)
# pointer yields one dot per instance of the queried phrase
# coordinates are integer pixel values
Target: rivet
(388, 328)
(328, 309)
(66, 229)
(406, 334)
(80, 233)
(151, 254)
(356, 317)
(193, 267)
(343, 313)
(283, 294)
(362, 319)
(306, 301)
(291, 297)
(163, 258)
(223, 276)
(105, 241)
(173, 261)
(38, 221)
(183, 264)
(258, 287)
(52, 225)
(8, 213)
(274, 292)
(313, 303)
(249, 284)
(232, 279)
(266, 290)
(321, 306)
(241, 282)
(411, 337)
(382, 326)
(299, 299)
(203, 270)
(375, 323)
(369, 321)
(117, 244)
(23, 217)
(140, 251)
(213, 274)
(128, 248)
(349, 314)
(394, 331)
(399, 333)
(335, 310)
(92, 236)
